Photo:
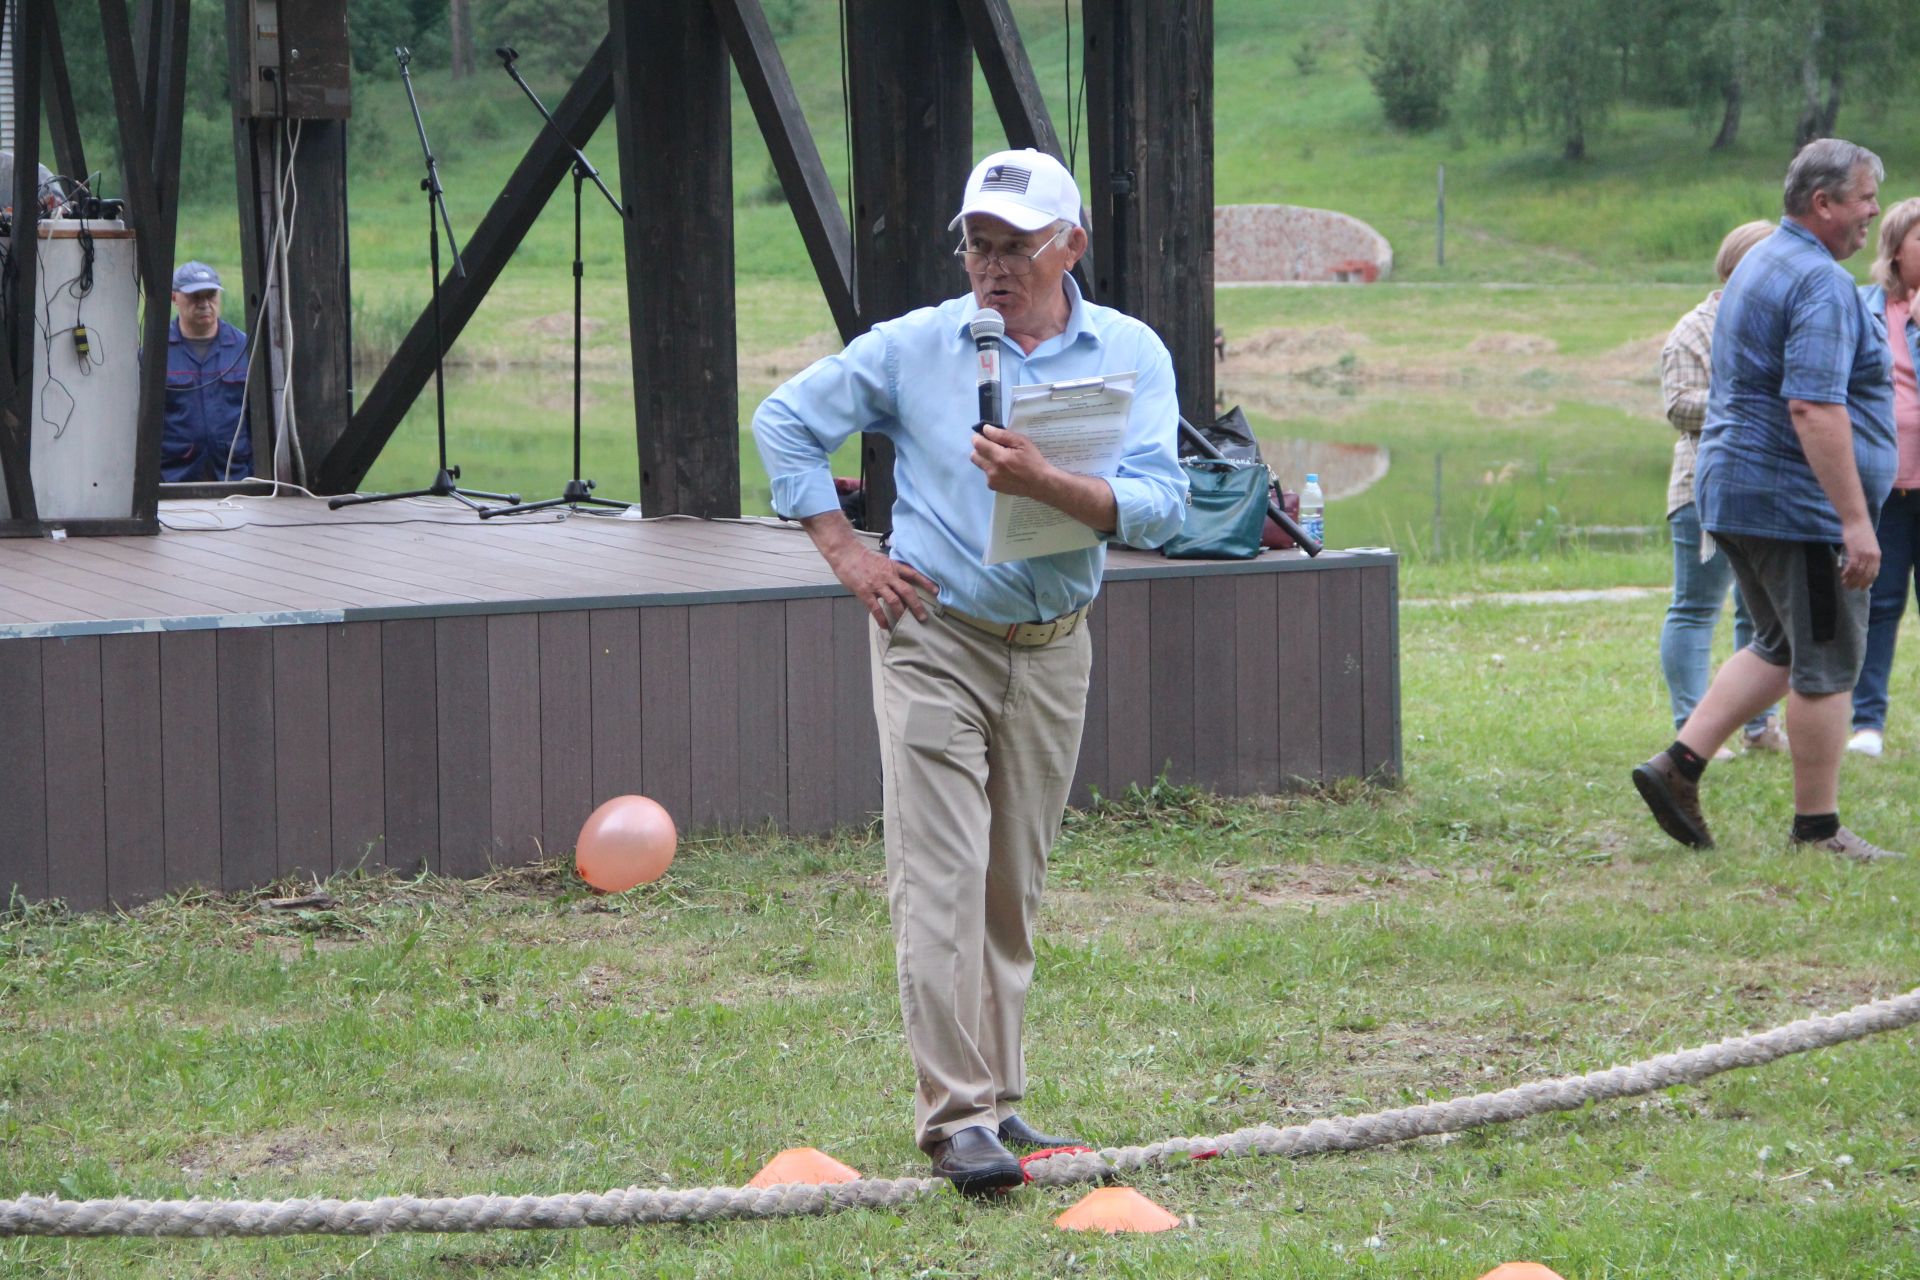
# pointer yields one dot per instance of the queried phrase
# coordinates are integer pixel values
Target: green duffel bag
(1226, 510)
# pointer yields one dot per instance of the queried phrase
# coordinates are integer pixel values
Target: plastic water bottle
(1313, 508)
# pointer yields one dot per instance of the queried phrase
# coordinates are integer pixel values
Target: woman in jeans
(1700, 586)
(1896, 278)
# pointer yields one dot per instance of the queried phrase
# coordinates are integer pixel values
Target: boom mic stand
(577, 491)
(443, 485)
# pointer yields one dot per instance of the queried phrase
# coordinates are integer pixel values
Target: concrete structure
(1283, 243)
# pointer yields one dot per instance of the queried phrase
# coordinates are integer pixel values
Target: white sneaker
(1867, 742)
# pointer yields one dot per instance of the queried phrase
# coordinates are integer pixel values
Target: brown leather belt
(1026, 635)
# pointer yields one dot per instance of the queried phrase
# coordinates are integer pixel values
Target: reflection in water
(1469, 468)
(1345, 470)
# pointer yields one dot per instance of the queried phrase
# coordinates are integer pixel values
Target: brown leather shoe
(1674, 799)
(1015, 1132)
(975, 1163)
(1845, 844)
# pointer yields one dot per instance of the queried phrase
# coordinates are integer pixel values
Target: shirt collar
(1079, 322)
(1792, 227)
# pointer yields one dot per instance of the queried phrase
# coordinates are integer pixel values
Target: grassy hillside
(1649, 204)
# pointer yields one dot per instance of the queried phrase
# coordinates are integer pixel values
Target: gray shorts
(1802, 617)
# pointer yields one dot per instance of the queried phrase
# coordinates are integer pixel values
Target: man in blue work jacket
(206, 436)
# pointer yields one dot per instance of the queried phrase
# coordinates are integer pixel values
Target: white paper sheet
(1078, 426)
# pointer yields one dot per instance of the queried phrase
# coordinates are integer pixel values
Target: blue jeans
(1686, 641)
(1899, 568)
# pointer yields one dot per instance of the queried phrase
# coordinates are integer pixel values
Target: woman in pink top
(1896, 280)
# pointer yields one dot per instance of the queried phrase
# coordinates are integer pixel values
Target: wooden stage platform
(268, 688)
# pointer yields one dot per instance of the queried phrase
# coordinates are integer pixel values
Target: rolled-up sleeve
(1149, 487)
(798, 427)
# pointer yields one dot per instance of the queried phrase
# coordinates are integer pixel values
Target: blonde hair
(1735, 246)
(1895, 225)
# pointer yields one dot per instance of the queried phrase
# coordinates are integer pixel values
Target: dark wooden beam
(136, 139)
(485, 253)
(62, 121)
(253, 183)
(1009, 75)
(150, 100)
(673, 94)
(318, 294)
(910, 69)
(1016, 95)
(16, 379)
(1150, 158)
(810, 193)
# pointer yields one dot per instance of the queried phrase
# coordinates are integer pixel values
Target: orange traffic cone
(1113, 1209)
(1521, 1271)
(803, 1165)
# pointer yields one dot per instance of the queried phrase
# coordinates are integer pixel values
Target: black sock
(1690, 765)
(1816, 826)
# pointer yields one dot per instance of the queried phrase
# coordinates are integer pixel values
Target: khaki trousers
(978, 743)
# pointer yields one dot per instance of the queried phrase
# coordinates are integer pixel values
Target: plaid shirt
(1792, 326)
(1685, 366)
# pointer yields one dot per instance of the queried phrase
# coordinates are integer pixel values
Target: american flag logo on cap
(1007, 177)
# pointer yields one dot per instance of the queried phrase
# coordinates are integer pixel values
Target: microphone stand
(578, 491)
(443, 485)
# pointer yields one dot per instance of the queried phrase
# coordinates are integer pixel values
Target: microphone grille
(987, 323)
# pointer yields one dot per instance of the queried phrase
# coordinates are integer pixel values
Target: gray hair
(1826, 164)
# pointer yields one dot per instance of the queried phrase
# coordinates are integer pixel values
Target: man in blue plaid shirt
(1796, 457)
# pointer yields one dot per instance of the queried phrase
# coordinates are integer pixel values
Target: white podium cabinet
(85, 406)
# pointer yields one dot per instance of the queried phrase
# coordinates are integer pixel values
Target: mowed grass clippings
(1506, 914)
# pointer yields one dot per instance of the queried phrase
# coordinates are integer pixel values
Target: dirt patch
(1310, 885)
(296, 1151)
(1290, 348)
(1512, 344)
(783, 362)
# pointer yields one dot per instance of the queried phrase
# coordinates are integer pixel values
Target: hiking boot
(1674, 799)
(1867, 742)
(1844, 844)
(1770, 738)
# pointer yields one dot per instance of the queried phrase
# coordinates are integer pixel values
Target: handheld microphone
(987, 327)
(507, 54)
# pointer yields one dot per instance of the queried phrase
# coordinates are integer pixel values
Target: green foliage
(551, 35)
(1411, 60)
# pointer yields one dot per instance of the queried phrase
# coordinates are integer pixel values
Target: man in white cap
(979, 671)
(206, 436)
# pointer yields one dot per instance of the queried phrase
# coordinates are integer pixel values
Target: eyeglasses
(979, 261)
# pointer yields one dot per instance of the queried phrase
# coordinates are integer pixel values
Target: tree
(1552, 64)
(460, 38)
(1411, 60)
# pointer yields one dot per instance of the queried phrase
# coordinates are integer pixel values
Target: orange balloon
(1521, 1271)
(629, 840)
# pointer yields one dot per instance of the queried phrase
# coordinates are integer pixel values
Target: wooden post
(62, 121)
(315, 303)
(910, 69)
(672, 94)
(1150, 157)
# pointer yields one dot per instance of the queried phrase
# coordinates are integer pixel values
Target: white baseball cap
(1028, 189)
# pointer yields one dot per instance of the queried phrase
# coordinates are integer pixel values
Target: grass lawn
(1508, 913)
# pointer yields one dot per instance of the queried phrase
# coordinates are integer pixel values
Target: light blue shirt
(912, 380)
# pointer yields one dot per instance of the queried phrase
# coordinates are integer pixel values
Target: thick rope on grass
(46, 1216)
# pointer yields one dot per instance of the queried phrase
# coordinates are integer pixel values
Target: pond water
(1473, 470)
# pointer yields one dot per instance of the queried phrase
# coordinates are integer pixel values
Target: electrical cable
(1073, 121)
(259, 316)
